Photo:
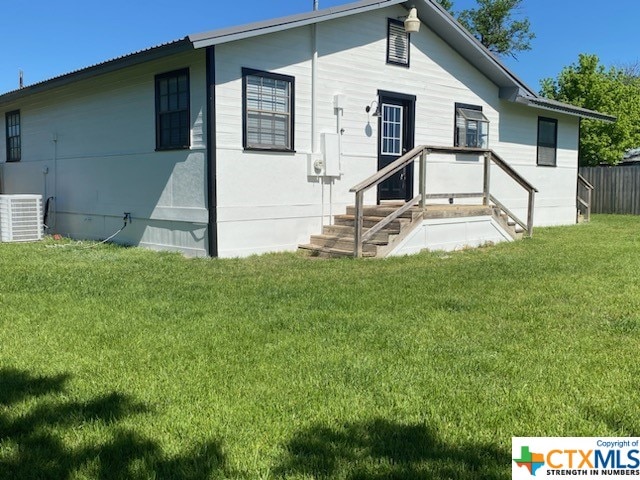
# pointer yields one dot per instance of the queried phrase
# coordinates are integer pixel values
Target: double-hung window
(14, 145)
(172, 110)
(472, 127)
(547, 141)
(268, 108)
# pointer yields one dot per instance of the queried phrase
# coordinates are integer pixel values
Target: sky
(47, 38)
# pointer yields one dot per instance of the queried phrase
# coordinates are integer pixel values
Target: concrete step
(340, 243)
(382, 237)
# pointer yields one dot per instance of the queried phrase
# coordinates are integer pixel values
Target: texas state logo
(530, 460)
(575, 457)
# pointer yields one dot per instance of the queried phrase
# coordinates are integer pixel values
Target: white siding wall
(267, 202)
(556, 200)
(98, 138)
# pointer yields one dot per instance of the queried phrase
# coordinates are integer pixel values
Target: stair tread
(370, 218)
(345, 238)
(346, 241)
(350, 229)
(383, 211)
(333, 250)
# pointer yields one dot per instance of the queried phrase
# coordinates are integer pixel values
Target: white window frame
(388, 133)
(470, 122)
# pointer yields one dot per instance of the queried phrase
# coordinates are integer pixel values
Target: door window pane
(391, 130)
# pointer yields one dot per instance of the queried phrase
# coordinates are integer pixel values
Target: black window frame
(539, 144)
(13, 151)
(465, 106)
(391, 61)
(251, 72)
(184, 111)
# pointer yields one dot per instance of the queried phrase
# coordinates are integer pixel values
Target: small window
(172, 110)
(547, 141)
(472, 127)
(14, 146)
(397, 43)
(391, 130)
(268, 101)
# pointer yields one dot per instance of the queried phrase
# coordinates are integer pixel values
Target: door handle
(402, 176)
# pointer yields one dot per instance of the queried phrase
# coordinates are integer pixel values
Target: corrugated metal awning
(555, 106)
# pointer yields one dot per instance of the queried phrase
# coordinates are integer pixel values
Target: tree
(492, 23)
(614, 91)
(447, 5)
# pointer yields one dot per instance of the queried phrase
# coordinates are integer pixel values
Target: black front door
(396, 131)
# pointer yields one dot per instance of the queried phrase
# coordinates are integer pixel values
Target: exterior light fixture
(412, 23)
(376, 112)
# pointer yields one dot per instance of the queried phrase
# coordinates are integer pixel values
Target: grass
(124, 363)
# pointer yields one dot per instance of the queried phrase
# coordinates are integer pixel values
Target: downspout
(314, 103)
(211, 158)
(314, 90)
(54, 139)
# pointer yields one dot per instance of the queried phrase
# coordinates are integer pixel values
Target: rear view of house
(251, 139)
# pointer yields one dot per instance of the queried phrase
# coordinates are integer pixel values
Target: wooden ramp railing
(584, 204)
(420, 154)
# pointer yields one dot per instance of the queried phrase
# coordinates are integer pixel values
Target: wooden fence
(617, 189)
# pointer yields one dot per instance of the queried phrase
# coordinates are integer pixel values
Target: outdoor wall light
(412, 23)
(376, 112)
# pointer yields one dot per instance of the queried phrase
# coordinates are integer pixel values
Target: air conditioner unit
(20, 218)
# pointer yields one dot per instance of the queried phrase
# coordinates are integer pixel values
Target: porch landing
(439, 227)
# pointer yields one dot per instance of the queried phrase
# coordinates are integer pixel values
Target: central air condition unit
(20, 218)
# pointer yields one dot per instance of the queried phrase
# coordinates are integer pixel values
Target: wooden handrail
(580, 201)
(391, 169)
(389, 218)
(509, 170)
(508, 212)
(377, 178)
(531, 190)
(422, 151)
(585, 182)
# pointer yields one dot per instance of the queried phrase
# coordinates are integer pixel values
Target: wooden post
(357, 250)
(487, 179)
(423, 179)
(588, 205)
(532, 195)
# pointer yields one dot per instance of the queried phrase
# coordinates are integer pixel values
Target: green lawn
(125, 363)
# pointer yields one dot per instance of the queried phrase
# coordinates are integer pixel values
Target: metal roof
(555, 106)
(225, 35)
(430, 12)
(117, 63)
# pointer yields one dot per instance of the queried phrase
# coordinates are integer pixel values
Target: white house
(249, 139)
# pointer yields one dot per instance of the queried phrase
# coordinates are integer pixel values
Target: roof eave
(456, 36)
(207, 39)
(565, 108)
(136, 58)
